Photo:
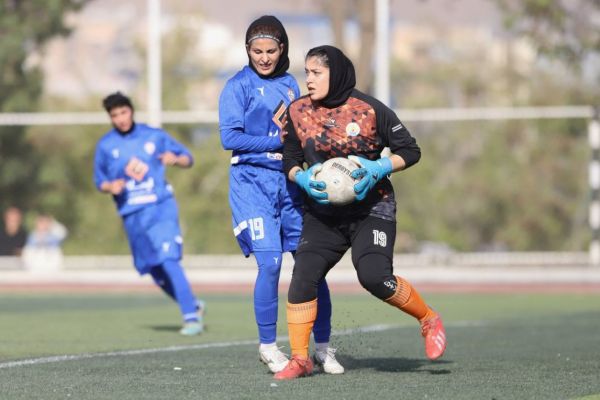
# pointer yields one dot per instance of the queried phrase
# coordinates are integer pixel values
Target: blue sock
(162, 281)
(322, 327)
(266, 294)
(182, 291)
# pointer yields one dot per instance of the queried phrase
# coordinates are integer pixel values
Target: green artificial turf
(501, 346)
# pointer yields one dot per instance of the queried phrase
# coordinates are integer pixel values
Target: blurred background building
(106, 49)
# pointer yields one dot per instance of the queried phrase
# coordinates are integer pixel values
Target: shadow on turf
(395, 364)
(165, 328)
(169, 328)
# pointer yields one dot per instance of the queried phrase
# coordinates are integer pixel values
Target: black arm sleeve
(293, 155)
(391, 131)
(395, 135)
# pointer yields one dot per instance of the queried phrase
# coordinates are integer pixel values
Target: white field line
(85, 356)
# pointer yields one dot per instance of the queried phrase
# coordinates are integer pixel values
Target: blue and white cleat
(193, 328)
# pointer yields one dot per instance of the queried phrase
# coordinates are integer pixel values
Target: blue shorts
(154, 235)
(266, 209)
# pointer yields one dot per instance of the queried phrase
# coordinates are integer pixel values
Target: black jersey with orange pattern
(362, 126)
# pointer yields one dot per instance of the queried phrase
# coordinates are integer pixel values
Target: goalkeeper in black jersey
(336, 120)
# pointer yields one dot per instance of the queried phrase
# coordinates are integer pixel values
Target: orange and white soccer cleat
(296, 368)
(435, 337)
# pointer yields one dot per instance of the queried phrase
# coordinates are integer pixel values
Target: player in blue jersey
(130, 165)
(267, 208)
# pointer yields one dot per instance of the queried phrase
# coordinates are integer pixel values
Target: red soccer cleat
(435, 337)
(296, 368)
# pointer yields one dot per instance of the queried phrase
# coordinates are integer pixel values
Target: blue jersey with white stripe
(115, 151)
(265, 207)
(250, 112)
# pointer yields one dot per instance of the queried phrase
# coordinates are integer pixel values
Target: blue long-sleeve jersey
(115, 150)
(250, 111)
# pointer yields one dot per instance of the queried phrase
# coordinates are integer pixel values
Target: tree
(568, 31)
(25, 26)
(338, 11)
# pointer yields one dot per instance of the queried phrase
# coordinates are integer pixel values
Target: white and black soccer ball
(335, 172)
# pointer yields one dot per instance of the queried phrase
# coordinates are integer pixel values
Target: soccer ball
(335, 172)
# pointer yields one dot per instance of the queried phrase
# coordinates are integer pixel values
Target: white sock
(321, 347)
(267, 346)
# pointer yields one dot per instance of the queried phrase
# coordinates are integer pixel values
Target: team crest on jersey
(115, 153)
(352, 129)
(291, 94)
(149, 147)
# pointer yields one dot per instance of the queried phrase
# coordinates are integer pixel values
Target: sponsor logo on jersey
(275, 156)
(352, 129)
(261, 90)
(149, 148)
(291, 94)
(144, 199)
(133, 186)
(115, 153)
(330, 123)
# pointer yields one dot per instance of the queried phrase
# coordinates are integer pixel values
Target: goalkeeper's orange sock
(408, 300)
(301, 318)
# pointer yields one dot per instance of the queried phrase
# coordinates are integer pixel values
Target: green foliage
(95, 227)
(25, 26)
(568, 31)
(517, 185)
(202, 194)
(483, 186)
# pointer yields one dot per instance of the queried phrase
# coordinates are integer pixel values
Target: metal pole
(594, 181)
(154, 64)
(382, 51)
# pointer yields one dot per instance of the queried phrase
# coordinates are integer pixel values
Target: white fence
(221, 261)
(514, 268)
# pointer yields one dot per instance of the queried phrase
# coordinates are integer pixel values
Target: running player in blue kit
(266, 208)
(130, 164)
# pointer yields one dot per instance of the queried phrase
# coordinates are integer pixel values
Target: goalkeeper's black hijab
(342, 78)
(270, 27)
